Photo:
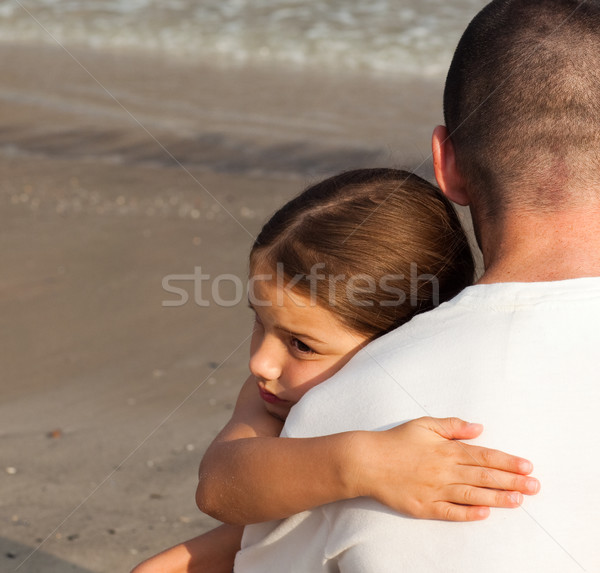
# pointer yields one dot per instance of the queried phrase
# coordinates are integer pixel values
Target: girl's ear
(444, 164)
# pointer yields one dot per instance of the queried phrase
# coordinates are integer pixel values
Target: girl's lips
(270, 398)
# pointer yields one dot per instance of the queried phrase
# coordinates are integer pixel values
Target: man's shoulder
(459, 349)
(376, 377)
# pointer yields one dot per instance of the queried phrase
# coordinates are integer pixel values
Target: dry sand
(117, 171)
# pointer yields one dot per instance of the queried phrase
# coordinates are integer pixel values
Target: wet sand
(116, 172)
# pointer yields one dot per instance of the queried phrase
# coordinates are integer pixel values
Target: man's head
(522, 106)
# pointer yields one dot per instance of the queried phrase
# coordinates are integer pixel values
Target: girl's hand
(420, 470)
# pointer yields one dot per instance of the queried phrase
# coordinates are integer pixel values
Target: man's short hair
(522, 104)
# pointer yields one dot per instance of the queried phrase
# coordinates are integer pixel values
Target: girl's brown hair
(388, 234)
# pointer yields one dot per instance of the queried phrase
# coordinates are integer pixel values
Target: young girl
(348, 260)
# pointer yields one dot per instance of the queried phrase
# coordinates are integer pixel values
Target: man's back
(519, 358)
(521, 148)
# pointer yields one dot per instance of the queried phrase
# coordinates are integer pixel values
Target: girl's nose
(266, 361)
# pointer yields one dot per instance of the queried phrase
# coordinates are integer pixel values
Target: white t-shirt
(521, 358)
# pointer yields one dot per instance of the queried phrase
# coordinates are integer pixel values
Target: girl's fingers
(451, 512)
(451, 428)
(482, 477)
(478, 496)
(466, 503)
(485, 457)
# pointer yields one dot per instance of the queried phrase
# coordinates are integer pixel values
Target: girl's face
(295, 345)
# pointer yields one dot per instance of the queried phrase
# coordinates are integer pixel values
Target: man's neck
(552, 247)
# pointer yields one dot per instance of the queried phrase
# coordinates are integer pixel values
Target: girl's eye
(301, 347)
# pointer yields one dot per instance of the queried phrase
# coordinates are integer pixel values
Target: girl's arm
(213, 552)
(247, 476)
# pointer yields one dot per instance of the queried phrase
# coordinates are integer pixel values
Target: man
(517, 350)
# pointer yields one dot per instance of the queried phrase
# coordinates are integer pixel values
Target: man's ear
(444, 165)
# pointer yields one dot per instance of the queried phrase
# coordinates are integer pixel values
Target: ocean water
(411, 36)
(292, 117)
